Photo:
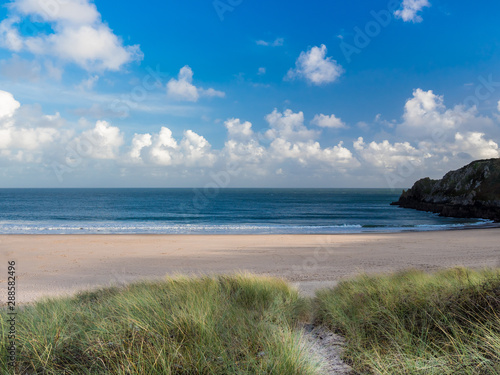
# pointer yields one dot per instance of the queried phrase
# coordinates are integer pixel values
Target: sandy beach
(51, 265)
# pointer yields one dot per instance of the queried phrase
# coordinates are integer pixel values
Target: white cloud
(196, 150)
(292, 146)
(35, 140)
(248, 153)
(474, 144)
(89, 83)
(291, 139)
(242, 145)
(289, 126)
(307, 153)
(434, 139)
(79, 35)
(386, 155)
(9, 36)
(139, 142)
(8, 105)
(315, 67)
(261, 71)
(162, 149)
(410, 8)
(75, 12)
(426, 116)
(212, 93)
(25, 133)
(498, 106)
(331, 121)
(101, 142)
(26, 138)
(278, 42)
(182, 88)
(238, 130)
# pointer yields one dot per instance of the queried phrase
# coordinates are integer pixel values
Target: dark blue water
(186, 211)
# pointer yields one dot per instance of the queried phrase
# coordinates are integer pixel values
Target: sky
(239, 93)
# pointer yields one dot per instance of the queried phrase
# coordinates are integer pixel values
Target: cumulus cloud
(196, 150)
(162, 149)
(139, 142)
(331, 121)
(79, 36)
(243, 146)
(238, 130)
(307, 153)
(475, 145)
(285, 148)
(101, 142)
(426, 116)
(410, 9)
(182, 88)
(292, 146)
(386, 155)
(289, 126)
(315, 67)
(8, 105)
(432, 138)
(25, 133)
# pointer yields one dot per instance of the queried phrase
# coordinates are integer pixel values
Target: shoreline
(53, 264)
(444, 228)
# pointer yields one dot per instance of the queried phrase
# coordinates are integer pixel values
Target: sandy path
(50, 265)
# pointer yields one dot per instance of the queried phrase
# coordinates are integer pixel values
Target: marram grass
(417, 323)
(238, 324)
(406, 323)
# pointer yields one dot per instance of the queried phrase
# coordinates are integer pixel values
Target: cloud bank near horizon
(430, 136)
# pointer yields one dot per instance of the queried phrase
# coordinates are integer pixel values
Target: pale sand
(50, 265)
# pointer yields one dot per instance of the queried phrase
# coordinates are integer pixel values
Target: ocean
(224, 211)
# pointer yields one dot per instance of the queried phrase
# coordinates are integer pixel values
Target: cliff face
(471, 191)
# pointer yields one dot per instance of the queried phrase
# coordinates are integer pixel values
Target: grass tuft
(238, 324)
(417, 323)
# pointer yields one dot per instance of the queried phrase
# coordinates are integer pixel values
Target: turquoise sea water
(225, 211)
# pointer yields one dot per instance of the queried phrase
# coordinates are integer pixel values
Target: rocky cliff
(471, 191)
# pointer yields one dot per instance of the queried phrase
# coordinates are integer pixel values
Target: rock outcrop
(469, 192)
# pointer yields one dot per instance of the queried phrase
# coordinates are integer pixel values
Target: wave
(11, 227)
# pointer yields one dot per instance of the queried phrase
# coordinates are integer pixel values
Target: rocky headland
(469, 192)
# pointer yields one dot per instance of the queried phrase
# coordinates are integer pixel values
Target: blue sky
(178, 94)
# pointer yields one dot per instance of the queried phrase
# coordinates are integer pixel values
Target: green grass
(212, 325)
(406, 323)
(417, 323)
